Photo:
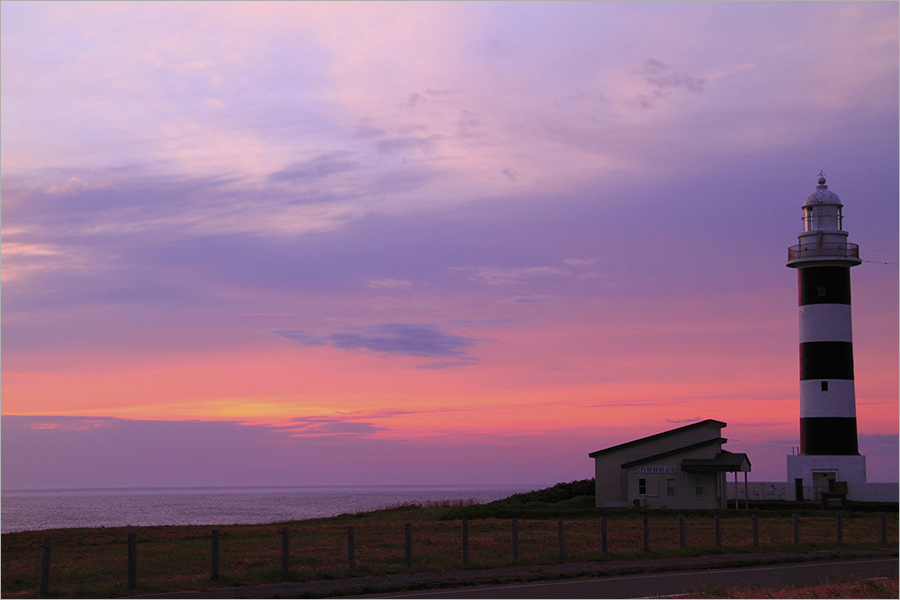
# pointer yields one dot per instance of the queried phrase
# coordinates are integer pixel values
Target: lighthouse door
(823, 481)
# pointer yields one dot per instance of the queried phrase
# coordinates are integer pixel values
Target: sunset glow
(363, 243)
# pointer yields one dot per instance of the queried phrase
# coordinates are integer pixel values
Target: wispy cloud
(403, 339)
(316, 168)
(541, 299)
(389, 284)
(505, 276)
(328, 426)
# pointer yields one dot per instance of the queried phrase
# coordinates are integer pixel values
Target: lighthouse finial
(821, 177)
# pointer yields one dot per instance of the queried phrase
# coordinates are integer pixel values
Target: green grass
(92, 562)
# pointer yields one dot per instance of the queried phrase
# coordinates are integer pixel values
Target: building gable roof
(645, 459)
(658, 436)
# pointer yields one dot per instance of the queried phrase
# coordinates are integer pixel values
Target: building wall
(845, 468)
(781, 490)
(762, 490)
(684, 490)
(613, 484)
(685, 483)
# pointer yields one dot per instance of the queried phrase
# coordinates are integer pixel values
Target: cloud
(322, 426)
(580, 262)
(686, 421)
(418, 99)
(389, 284)
(399, 339)
(301, 337)
(450, 364)
(401, 144)
(403, 180)
(501, 276)
(316, 168)
(490, 322)
(540, 299)
(468, 124)
(510, 174)
(660, 75)
(664, 81)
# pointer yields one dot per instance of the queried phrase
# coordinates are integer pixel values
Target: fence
(605, 545)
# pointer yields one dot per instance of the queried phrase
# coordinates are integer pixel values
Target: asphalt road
(673, 583)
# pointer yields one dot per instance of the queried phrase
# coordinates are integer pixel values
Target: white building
(683, 468)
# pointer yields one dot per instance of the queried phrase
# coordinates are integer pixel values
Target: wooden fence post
(465, 536)
(755, 530)
(214, 555)
(351, 550)
(407, 543)
(604, 546)
(796, 518)
(718, 531)
(560, 533)
(646, 533)
(682, 538)
(45, 566)
(840, 528)
(515, 539)
(883, 529)
(285, 550)
(465, 542)
(132, 560)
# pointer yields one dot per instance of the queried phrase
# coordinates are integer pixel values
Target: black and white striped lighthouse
(823, 259)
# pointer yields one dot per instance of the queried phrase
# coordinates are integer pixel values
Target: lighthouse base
(814, 474)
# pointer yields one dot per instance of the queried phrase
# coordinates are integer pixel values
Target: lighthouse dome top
(822, 195)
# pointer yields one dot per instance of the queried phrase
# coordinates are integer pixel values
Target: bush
(575, 498)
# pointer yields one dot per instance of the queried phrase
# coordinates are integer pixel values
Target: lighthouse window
(807, 218)
(821, 290)
(824, 386)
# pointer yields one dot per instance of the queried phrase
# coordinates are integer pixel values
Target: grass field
(93, 562)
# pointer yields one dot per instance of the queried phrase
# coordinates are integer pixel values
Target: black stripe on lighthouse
(827, 395)
(826, 360)
(824, 285)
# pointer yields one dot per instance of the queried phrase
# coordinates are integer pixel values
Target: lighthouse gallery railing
(842, 250)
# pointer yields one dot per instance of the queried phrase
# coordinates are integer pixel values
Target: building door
(823, 481)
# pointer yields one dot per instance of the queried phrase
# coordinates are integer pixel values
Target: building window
(670, 487)
(824, 386)
(698, 489)
(642, 487)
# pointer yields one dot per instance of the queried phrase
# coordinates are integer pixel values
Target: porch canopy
(724, 461)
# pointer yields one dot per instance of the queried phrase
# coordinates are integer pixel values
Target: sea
(35, 510)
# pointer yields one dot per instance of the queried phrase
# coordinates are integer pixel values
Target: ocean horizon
(62, 508)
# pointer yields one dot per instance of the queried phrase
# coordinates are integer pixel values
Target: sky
(428, 243)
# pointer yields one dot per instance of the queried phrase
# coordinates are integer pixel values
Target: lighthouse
(828, 439)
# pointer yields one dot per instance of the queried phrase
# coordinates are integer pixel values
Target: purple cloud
(661, 75)
(404, 339)
(316, 168)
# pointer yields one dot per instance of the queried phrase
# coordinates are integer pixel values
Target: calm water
(35, 510)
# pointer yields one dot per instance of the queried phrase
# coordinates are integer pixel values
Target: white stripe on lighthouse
(825, 323)
(838, 401)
